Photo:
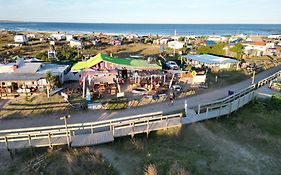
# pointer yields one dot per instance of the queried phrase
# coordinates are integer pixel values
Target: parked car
(176, 88)
(172, 65)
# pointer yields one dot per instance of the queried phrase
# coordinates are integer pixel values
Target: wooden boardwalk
(86, 134)
(226, 105)
(92, 139)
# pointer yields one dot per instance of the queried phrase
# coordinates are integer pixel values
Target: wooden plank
(92, 139)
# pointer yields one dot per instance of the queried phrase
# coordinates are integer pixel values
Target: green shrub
(275, 102)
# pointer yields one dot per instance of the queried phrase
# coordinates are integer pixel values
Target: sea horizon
(142, 28)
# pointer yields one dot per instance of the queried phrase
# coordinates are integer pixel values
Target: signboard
(193, 73)
(121, 94)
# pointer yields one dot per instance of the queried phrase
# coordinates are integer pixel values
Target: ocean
(145, 29)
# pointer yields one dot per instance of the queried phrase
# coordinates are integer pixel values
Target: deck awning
(122, 62)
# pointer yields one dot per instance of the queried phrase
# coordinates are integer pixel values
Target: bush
(275, 102)
(150, 170)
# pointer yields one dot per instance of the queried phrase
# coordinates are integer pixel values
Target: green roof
(124, 62)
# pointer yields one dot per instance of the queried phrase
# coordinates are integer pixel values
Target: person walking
(172, 98)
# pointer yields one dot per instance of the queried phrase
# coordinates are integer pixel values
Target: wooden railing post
(220, 111)
(50, 140)
(113, 130)
(181, 118)
(29, 140)
(92, 129)
(229, 111)
(133, 127)
(199, 108)
(166, 123)
(238, 103)
(147, 128)
(207, 111)
(6, 143)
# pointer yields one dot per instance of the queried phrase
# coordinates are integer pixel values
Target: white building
(21, 39)
(255, 49)
(217, 39)
(175, 44)
(75, 43)
(69, 37)
(161, 41)
(259, 49)
(31, 36)
(58, 36)
(274, 36)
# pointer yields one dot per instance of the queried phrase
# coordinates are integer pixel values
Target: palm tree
(52, 81)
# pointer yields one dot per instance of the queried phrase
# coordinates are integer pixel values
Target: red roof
(260, 43)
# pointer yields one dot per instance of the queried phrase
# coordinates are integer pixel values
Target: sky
(144, 11)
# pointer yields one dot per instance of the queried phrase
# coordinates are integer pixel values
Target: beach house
(20, 39)
(76, 44)
(23, 77)
(58, 36)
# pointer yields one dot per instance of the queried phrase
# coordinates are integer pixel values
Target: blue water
(145, 29)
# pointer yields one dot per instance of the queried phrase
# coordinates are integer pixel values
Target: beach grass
(244, 143)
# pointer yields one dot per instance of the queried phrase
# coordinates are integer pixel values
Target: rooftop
(20, 76)
(210, 59)
(28, 68)
(53, 68)
(124, 62)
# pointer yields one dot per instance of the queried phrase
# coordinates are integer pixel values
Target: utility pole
(66, 128)
(84, 87)
(253, 77)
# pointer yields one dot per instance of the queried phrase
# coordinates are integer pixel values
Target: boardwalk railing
(84, 134)
(226, 105)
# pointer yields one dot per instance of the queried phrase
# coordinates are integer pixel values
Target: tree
(218, 49)
(204, 50)
(52, 80)
(185, 50)
(181, 38)
(68, 53)
(238, 49)
(43, 56)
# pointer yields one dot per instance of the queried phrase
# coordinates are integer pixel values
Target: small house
(58, 36)
(21, 39)
(28, 77)
(69, 37)
(76, 44)
(175, 44)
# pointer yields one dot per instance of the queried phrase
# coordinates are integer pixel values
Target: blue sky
(143, 11)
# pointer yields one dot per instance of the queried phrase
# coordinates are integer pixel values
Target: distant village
(65, 63)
